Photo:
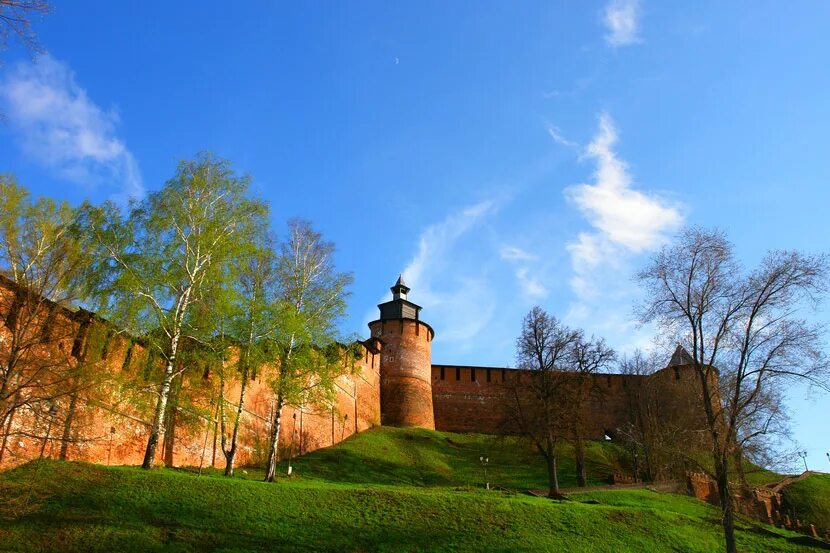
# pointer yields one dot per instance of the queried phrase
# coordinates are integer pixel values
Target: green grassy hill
(427, 458)
(390, 490)
(809, 500)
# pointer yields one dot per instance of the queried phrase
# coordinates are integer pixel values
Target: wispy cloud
(529, 284)
(447, 278)
(624, 222)
(621, 215)
(622, 22)
(59, 126)
(512, 253)
(559, 138)
(439, 238)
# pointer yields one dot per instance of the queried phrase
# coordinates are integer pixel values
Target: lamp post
(53, 410)
(636, 466)
(484, 461)
(291, 447)
(109, 448)
(803, 455)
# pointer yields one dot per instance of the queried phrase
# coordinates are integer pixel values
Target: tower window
(503, 373)
(473, 375)
(457, 373)
(489, 376)
(443, 375)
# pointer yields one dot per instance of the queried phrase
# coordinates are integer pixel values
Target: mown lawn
(82, 507)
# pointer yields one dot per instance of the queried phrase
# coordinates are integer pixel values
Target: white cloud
(621, 215)
(60, 127)
(559, 138)
(438, 239)
(530, 285)
(512, 253)
(624, 222)
(622, 21)
(447, 277)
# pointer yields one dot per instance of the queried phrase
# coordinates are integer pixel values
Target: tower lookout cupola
(400, 289)
(399, 307)
(405, 361)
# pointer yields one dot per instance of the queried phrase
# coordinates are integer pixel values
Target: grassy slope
(427, 458)
(809, 500)
(81, 507)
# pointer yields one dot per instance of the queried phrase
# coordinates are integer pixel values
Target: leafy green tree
(311, 298)
(251, 316)
(158, 261)
(43, 269)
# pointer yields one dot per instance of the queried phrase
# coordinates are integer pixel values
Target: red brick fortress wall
(106, 419)
(481, 399)
(405, 372)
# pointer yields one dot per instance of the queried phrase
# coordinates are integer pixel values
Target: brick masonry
(395, 384)
(405, 373)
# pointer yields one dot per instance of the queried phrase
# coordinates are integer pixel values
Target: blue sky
(500, 154)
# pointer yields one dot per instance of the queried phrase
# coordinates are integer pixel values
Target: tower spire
(399, 289)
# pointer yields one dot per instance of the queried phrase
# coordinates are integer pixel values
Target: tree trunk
(721, 462)
(739, 467)
(67, 426)
(553, 479)
(6, 428)
(722, 473)
(273, 452)
(158, 419)
(271, 469)
(231, 453)
(170, 423)
(164, 391)
(579, 451)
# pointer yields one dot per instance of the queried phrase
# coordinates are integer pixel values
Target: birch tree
(159, 259)
(311, 299)
(42, 270)
(747, 335)
(251, 323)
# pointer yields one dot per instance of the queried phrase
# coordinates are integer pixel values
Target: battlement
(396, 384)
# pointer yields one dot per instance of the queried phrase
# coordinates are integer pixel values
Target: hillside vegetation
(57, 506)
(81, 507)
(410, 456)
(809, 500)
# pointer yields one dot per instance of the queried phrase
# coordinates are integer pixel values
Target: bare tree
(744, 333)
(588, 357)
(15, 20)
(543, 347)
(662, 446)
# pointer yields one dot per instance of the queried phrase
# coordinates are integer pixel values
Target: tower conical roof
(680, 357)
(399, 289)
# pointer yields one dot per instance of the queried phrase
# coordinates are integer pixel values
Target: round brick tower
(405, 362)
